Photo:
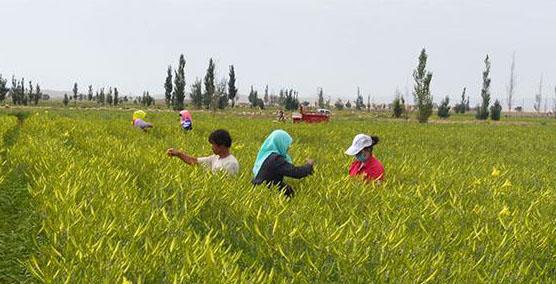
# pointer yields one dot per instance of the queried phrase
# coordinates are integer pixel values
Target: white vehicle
(322, 110)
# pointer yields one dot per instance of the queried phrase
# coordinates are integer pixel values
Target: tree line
(19, 94)
(212, 94)
(424, 100)
(207, 93)
(106, 97)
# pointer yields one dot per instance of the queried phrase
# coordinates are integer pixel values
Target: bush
(444, 108)
(496, 111)
(339, 105)
(398, 107)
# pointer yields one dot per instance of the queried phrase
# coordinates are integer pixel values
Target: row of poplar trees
(18, 93)
(214, 94)
(423, 98)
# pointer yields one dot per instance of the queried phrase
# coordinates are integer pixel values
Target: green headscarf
(277, 142)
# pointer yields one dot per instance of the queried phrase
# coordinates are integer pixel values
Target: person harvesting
(221, 161)
(138, 121)
(186, 121)
(365, 164)
(273, 163)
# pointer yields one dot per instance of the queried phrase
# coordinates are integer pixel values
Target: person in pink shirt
(186, 121)
(366, 164)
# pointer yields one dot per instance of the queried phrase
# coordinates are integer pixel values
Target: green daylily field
(87, 198)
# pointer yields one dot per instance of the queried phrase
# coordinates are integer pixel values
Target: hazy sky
(337, 45)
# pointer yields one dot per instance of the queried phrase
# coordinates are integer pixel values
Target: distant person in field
(222, 160)
(186, 121)
(139, 122)
(365, 164)
(281, 116)
(273, 163)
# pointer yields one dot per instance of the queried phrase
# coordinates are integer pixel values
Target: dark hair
(221, 137)
(375, 141)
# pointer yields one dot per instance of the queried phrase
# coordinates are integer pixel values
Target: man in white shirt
(222, 160)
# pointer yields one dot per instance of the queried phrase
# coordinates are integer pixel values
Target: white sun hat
(360, 142)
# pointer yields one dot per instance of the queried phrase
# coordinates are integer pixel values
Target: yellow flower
(504, 212)
(125, 281)
(507, 183)
(495, 172)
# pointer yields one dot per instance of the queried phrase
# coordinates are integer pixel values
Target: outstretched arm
(290, 170)
(190, 160)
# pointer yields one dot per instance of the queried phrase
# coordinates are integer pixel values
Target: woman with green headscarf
(273, 163)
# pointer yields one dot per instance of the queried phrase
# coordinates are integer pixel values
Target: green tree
(168, 87)
(3, 89)
(496, 110)
(38, 94)
(253, 97)
(14, 90)
(197, 93)
(209, 85)
(222, 101)
(321, 98)
(179, 85)
(101, 97)
(146, 99)
(359, 103)
(538, 97)
(421, 92)
(462, 106)
(31, 95)
(291, 101)
(90, 93)
(109, 98)
(66, 100)
(75, 90)
(116, 98)
(398, 105)
(482, 110)
(444, 108)
(339, 104)
(22, 94)
(232, 90)
(266, 98)
(260, 103)
(282, 97)
(348, 105)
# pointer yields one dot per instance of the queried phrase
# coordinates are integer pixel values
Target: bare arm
(190, 160)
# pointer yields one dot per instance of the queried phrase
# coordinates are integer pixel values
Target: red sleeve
(377, 172)
(354, 168)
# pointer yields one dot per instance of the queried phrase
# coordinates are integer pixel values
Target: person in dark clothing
(273, 163)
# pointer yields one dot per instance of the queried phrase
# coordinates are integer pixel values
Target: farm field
(87, 198)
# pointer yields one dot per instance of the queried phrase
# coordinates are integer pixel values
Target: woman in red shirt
(365, 164)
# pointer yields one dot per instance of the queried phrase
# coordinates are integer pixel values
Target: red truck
(321, 115)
